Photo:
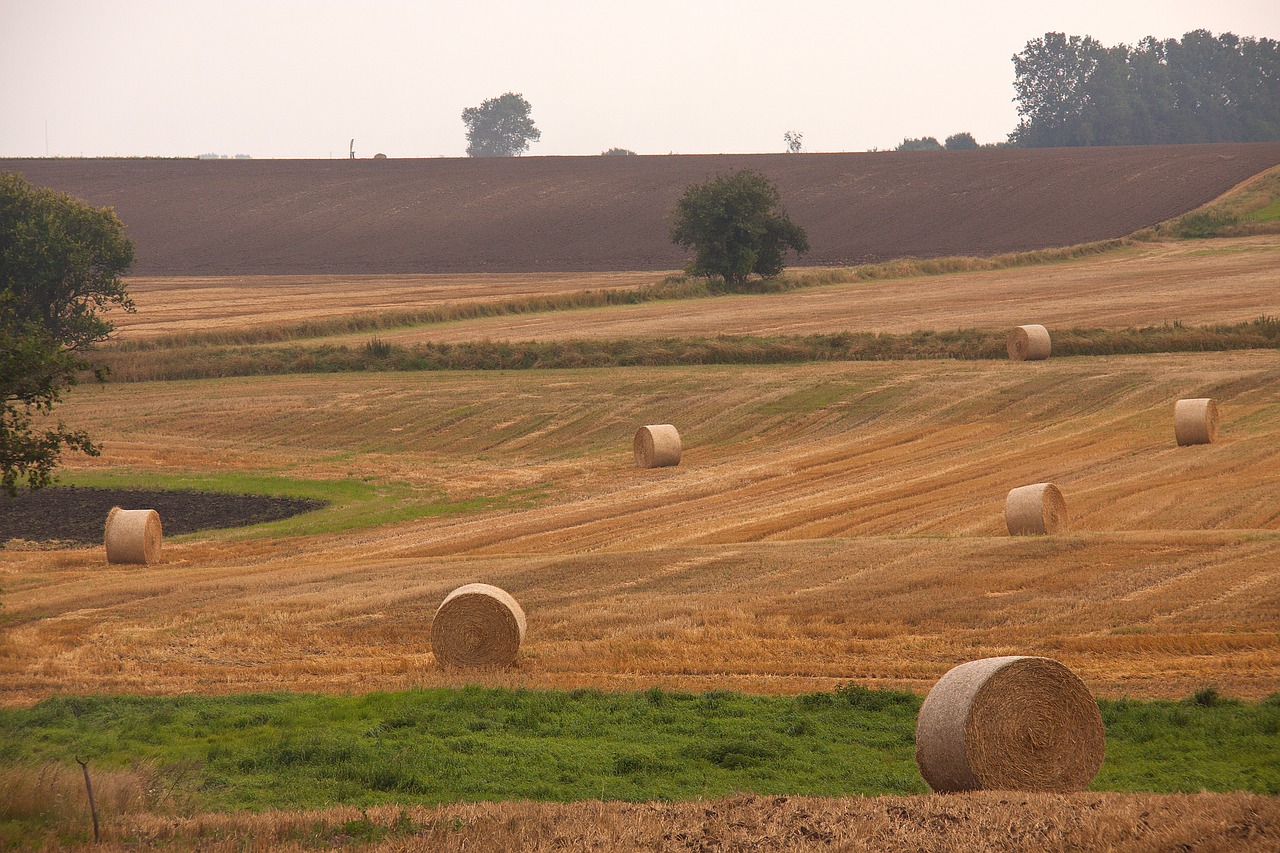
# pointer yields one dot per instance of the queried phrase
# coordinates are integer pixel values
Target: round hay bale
(1009, 723)
(1039, 508)
(133, 536)
(1195, 421)
(1028, 343)
(657, 446)
(477, 625)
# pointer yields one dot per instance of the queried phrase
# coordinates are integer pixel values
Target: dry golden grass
(827, 523)
(957, 823)
(178, 304)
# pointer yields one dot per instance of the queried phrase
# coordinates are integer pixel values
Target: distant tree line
(1074, 91)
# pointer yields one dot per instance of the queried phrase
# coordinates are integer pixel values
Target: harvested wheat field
(953, 824)
(827, 523)
(552, 214)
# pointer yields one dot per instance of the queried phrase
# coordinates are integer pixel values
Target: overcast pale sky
(278, 78)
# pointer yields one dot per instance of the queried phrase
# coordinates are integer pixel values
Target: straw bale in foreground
(1009, 723)
(477, 625)
(657, 446)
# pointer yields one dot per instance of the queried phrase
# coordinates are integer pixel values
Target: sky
(286, 79)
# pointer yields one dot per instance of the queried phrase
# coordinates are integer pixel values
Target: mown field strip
(1193, 282)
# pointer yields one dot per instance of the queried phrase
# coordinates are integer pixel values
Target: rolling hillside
(562, 214)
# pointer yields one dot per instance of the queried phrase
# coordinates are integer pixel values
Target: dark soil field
(569, 214)
(75, 516)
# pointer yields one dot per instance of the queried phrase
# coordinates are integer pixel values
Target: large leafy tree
(500, 127)
(736, 226)
(1202, 88)
(60, 266)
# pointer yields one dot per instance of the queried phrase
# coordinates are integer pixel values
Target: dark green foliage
(618, 152)
(736, 226)
(924, 143)
(60, 267)
(1074, 91)
(961, 142)
(294, 751)
(377, 348)
(500, 127)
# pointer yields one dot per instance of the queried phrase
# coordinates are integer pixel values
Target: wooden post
(93, 808)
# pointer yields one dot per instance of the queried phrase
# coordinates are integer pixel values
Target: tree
(1202, 88)
(736, 227)
(60, 266)
(961, 142)
(500, 127)
(794, 140)
(618, 152)
(924, 143)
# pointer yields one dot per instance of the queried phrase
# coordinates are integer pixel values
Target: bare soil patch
(264, 217)
(75, 516)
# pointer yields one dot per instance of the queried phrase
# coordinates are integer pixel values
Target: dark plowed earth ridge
(576, 214)
(79, 516)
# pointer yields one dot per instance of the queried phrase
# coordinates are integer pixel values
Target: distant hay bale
(1195, 421)
(1039, 508)
(1028, 343)
(477, 625)
(1009, 723)
(657, 446)
(133, 536)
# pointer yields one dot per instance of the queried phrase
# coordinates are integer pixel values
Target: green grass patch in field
(294, 751)
(352, 502)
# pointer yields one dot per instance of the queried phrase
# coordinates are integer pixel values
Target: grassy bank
(203, 362)
(292, 751)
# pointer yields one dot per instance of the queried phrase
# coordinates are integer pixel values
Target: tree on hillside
(736, 227)
(1202, 88)
(60, 266)
(961, 142)
(924, 143)
(500, 127)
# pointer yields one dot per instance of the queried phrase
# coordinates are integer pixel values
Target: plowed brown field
(554, 214)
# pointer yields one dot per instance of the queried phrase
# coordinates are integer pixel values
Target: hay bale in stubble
(1035, 509)
(477, 625)
(1009, 723)
(656, 446)
(1028, 343)
(133, 536)
(1195, 421)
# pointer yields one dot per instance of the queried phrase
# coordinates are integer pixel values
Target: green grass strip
(292, 751)
(213, 362)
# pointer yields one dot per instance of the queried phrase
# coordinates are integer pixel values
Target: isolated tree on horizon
(736, 226)
(61, 262)
(500, 127)
(924, 143)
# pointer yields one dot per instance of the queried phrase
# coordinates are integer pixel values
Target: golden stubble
(828, 523)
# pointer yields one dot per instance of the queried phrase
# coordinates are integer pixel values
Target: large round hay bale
(1034, 509)
(1195, 421)
(1009, 723)
(656, 446)
(1028, 343)
(133, 536)
(477, 625)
